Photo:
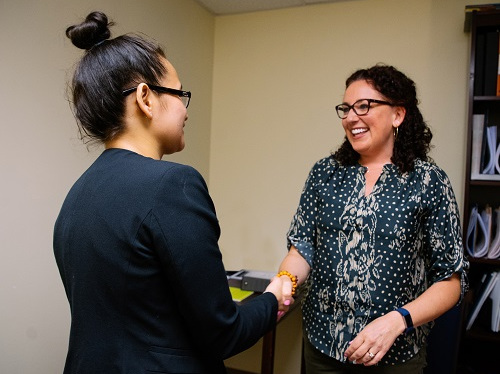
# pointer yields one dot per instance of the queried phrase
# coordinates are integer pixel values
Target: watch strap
(408, 321)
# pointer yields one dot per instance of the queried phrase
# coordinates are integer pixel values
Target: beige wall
(254, 133)
(41, 156)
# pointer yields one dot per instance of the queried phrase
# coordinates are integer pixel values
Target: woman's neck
(143, 148)
(374, 164)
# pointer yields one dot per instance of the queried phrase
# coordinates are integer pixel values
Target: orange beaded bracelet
(293, 278)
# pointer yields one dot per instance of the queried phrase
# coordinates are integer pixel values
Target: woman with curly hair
(376, 238)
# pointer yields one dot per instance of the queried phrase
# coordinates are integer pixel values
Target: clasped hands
(281, 287)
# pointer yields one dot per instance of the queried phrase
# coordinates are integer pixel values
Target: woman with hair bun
(376, 237)
(136, 240)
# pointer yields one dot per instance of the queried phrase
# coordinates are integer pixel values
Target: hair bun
(92, 31)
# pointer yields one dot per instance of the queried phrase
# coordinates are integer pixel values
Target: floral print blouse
(371, 254)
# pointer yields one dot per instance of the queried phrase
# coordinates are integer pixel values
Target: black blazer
(136, 246)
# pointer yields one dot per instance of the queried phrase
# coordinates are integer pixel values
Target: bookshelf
(479, 345)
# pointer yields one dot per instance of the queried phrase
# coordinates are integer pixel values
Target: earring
(395, 131)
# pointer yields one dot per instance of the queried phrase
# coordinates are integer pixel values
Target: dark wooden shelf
(484, 183)
(484, 261)
(479, 346)
(486, 98)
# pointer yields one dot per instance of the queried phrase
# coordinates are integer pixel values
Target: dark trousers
(319, 363)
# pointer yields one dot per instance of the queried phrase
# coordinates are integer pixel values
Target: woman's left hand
(373, 342)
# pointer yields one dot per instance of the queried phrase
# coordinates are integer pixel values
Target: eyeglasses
(360, 107)
(185, 96)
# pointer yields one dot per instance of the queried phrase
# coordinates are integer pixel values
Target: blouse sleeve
(302, 232)
(189, 233)
(442, 230)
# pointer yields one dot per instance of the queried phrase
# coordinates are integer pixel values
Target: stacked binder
(483, 233)
(485, 158)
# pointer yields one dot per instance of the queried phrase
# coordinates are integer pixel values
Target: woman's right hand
(282, 290)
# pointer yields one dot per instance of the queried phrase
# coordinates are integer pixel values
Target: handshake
(283, 286)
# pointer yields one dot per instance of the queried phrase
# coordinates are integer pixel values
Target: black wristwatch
(408, 321)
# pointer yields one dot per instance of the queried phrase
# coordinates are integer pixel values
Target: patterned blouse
(370, 255)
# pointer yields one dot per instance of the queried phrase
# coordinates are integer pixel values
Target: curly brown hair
(413, 139)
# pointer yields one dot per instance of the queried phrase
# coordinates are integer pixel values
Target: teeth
(358, 131)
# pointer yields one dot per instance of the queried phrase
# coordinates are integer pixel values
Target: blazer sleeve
(188, 248)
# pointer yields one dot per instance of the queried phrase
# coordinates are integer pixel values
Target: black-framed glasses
(361, 107)
(185, 96)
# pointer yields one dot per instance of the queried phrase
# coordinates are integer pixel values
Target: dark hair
(414, 136)
(107, 68)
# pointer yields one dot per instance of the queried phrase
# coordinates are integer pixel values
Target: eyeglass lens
(360, 107)
(185, 100)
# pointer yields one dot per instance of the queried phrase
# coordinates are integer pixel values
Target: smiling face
(371, 135)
